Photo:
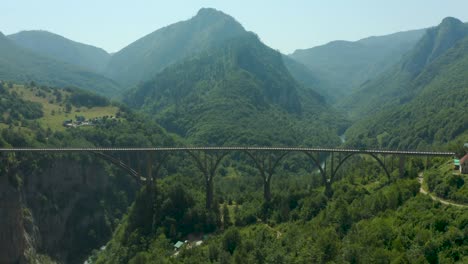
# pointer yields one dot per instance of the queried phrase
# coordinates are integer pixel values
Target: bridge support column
(152, 173)
(208, 164)
(266, 164)
(209, 191)
(402, 166)
(323, 172)
(267, 190)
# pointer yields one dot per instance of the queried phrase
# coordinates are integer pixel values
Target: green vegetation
(14, 108)
(447, 183)
(358, 224)
(343, 66)
(427, 112)
(211, 83)
(62, 49)
(307, 78)
(54, 191)
(23, 65)
(142, 59)
(50, 105)
(429, 61)
(239, 93)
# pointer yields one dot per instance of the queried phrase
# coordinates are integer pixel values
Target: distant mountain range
(400, 83)
(62, 49)
(210, 68)
(344, 65)
(420, 102)
(333, 69)
(142, 59)
(24, 65)
(237, 93)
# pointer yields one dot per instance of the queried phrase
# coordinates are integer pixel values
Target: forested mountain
(23, 65)
(208, 82)
(424, 97)
(62, 49)
(405, 80)
(48, 200)
(307, 78)
(345, 65)
(237, 93)
(142, 59)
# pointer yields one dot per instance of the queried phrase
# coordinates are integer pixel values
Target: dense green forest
(413, 73)
(344, 65)
(62, 49)
(239, 93)
(361, 223)
(96, 206)
(142, 59)
(207, 81)
(23, 65)
(428, 111)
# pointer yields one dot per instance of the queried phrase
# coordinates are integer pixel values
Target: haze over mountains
(147, 56)
(345, 65)
(60, 48)
(238, 93)
(179, 63)
(421, 101)
(24, 65)
(207, 81)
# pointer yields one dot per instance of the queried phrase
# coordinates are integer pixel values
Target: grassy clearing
(54, 112)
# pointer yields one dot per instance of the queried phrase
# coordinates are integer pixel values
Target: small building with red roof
(464, 164)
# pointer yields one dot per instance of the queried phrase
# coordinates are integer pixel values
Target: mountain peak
(450, 21)
(435, 42)
(147, 56)
(211, 15)
(450, 27)
(208, 11)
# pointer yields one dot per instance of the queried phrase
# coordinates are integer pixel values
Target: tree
(226, 216)
(68, 108)
(231, 240)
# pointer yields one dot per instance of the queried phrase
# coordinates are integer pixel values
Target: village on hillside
(82, 121)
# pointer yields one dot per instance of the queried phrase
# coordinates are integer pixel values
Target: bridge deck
(175, 149)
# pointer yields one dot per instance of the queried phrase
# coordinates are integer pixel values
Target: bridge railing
(175, 149)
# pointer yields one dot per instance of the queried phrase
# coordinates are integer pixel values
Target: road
(433, 197)
(174, 149)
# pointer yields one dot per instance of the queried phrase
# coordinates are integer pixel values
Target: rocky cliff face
(58, 209)
(12, 234)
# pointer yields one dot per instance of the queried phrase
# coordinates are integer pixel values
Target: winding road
(435, 198)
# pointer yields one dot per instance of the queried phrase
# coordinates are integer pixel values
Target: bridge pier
(267, 190)
(323, 172)
(209, 191)
(266, 165)
(402, 166)
(208, 164)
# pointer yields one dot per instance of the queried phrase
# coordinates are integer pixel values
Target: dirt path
(278, 233)
(433, 197)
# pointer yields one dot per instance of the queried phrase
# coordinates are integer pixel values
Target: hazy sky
(283, 25)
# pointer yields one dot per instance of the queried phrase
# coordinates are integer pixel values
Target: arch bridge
(266, 159)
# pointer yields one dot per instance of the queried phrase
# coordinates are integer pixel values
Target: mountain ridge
(345, 65)
(240, 84)
(422, 106)
(63, 49)
(396, 86)
(142, 59)
(22, 65)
